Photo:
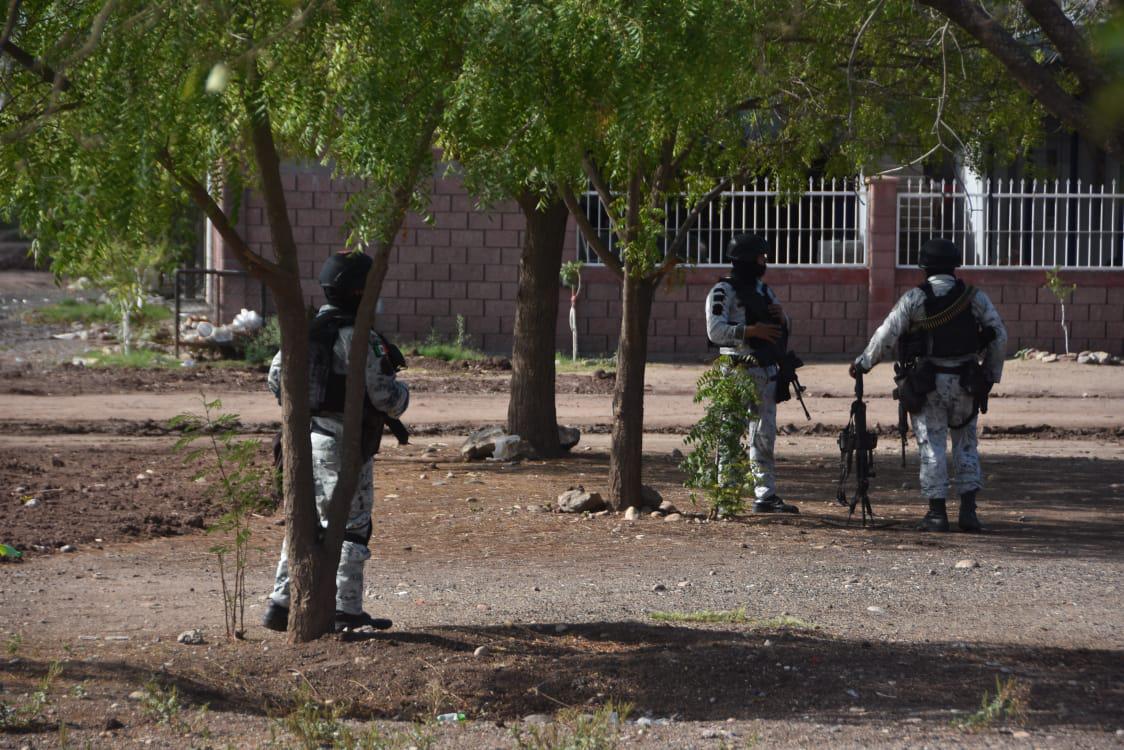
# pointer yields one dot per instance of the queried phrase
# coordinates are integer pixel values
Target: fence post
(882, 247)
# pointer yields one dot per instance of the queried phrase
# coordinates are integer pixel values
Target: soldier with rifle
(342, 278)
(949, 342)
(745, 319)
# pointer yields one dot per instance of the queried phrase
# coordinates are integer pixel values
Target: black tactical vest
(756, 306)
(959, 336)
(326, 388)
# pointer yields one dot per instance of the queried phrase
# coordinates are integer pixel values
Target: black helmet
(746, 247)
(939, 255)
(343, 277)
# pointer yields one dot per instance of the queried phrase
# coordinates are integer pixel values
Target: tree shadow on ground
(698, 673)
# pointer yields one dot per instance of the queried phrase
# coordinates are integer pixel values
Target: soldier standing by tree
(745, 319)
(342, 278)
(939, 331)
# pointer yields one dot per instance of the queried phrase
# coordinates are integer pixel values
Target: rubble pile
(196, 330)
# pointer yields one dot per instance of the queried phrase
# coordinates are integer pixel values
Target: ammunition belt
(944, 316)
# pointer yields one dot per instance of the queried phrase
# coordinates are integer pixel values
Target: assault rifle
(788, 381)
(856, 449)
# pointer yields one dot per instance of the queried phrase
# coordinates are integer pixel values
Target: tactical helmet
(343, 277)
(939, 254)
(746, 247)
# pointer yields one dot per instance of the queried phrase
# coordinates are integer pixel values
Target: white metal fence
(1005, 224)
(823, 226)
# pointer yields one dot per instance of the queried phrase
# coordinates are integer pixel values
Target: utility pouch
(975, 381)
(914, 384)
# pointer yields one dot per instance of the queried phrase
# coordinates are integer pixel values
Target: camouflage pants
(762, 431)
(949, 404)
(325, 473)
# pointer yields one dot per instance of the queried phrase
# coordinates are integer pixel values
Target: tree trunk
(531, 412)
(312, 575)
(312, 571)
(628, 394)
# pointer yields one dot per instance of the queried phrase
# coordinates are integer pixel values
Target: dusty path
(1062, 395)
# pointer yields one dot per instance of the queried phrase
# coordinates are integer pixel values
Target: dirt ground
(840, 636)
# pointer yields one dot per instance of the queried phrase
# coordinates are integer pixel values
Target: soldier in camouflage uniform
(950, 343)
(745, 319)
(342, 278)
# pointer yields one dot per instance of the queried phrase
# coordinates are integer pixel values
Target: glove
(855, 370)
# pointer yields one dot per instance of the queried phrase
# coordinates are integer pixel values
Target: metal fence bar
(1036, 225)
(800, 235)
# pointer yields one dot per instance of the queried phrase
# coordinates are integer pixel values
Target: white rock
(482, 651)
(875, 610)
(632, 513)
(68, 548)
(33, 503)
(673, 517)
(1050, 358)
(137, 695)
(965, 564)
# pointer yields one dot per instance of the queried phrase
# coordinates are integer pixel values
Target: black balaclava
(343, 277)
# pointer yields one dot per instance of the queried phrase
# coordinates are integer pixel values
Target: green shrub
(69, 311)
(455, 348)
(575, 730)
(719, 465)
(1008, 704)
(264, 344)
(141, 359)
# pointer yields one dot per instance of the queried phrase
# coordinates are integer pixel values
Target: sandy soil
(845, 637)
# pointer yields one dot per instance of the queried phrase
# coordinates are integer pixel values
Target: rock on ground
(568, 437)
(577, 500)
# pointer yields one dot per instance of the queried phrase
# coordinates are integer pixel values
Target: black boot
(967, 521)
(773, 504)
(276, 617)
(937, 517)
(346, 621)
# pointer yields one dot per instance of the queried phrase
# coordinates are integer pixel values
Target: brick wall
(465, 263)
(1032, 315)
(827, 308)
